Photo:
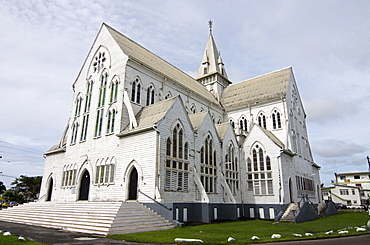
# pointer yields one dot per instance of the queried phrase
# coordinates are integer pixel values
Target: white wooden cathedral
(199, 149)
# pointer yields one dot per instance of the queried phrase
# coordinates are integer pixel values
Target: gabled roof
(197, 119)
(222, 129)
(143, 56)
(272, 137)
(259, 89)
(60, 146)
(150, 115)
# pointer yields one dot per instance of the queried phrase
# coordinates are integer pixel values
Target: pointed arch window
(177, 164)
(89, 89)
(85, 121)
(101, 103)
(135, 91)
(113, 91)
(111, 120)
(168, 95)
(208, 166)
(99, 122)
(78, 106)
(150, 95)
(262, 120)
(259, 178)
(232, 122)
(243, 124)
(276, 120)
(103, 88)
(75, 127)
(193, 109)
(231, 169)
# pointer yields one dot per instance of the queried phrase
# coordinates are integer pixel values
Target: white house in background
(352, 189)
(141, 129)
(347, 195)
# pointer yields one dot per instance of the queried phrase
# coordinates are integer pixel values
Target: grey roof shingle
(222, 129)
(259, 89)
(197, 119)
(152, 114)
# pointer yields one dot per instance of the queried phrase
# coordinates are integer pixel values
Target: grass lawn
(242, 231)
(13, 240)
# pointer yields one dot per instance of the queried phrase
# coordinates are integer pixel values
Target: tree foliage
(11, 195)
(2, 187)
(26, 187)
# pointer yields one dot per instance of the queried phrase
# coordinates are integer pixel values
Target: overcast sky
(43, 45)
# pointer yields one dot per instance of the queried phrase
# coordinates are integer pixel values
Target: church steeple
(211, 72)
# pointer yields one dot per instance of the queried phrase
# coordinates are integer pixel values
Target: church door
(132, 188)
(50, 190)
(84, 186)
(290, 190)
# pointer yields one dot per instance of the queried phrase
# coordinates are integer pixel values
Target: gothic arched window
(276, 120)
(208, 166)
(243, 123)
(259, 179)
(177, 165)
(262, 120)
(135, 91)
(150, 95)
(231, 169)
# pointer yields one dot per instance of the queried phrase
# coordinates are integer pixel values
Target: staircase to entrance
(101, 218)
(290, 212)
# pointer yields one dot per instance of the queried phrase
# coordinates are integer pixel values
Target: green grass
(242, 231)
(13, 240)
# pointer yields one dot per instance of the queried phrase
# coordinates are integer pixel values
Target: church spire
(211, 69)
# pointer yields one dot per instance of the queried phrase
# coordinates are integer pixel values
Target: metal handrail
(170, 209)
(42, 197)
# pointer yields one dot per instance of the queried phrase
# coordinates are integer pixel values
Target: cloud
(332, 148)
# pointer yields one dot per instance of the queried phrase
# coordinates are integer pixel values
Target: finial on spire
(210, 23)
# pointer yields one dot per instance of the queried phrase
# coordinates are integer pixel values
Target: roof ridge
(202, 91)
(269, 73)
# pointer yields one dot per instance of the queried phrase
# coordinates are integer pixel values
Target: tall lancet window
(232, 169)
(111, 120)
(101, 103)
(177, 161)
(135, 91)
(262, 120)
(243, 124)
(208, 166)
(113, 91)
(75, 127)
(86, 113)
(150, 95)
(78, 106)
(276, 120)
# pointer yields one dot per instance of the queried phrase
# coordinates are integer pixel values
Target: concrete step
(289, 213)
(100, 218)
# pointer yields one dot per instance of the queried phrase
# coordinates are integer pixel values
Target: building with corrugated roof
(205, 148)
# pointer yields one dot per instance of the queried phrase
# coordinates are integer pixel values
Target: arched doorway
(84, 186)
(290, 190)
(132, 185)
(50, 190)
